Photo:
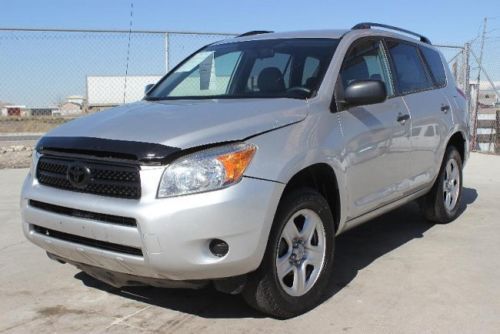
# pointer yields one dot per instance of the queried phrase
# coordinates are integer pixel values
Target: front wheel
(299, 257)
(442, 203)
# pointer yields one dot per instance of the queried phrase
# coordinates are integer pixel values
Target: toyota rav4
(241, 166)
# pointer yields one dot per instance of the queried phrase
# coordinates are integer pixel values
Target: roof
(331, 33)
(326, 33)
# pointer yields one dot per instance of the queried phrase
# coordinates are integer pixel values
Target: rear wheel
(442, 203)
(299, 257)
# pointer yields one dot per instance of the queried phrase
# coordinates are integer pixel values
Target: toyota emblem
(78, 175)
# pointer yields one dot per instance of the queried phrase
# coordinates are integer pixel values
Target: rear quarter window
(435, 64)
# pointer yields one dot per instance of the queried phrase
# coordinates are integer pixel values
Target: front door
(377, 144)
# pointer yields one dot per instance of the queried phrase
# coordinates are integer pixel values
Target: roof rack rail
(255, 32)
(369, 25)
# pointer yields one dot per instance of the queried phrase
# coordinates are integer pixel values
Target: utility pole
(476, 109)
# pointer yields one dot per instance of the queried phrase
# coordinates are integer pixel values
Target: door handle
(402, 118)
(445, 108)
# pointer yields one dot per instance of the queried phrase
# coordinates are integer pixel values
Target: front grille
(83, 214)
(87, 242)
(105, 179)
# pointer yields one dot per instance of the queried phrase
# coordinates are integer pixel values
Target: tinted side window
(410, 71)
(366, 61)
(433, 59)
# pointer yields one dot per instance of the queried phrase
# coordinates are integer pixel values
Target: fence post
(167, 52)
(497, 141)
(466, 70)
(466, 88)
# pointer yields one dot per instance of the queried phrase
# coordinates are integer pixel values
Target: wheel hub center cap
(298, 252)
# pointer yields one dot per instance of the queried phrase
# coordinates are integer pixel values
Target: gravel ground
(15, 154)
(395, 274)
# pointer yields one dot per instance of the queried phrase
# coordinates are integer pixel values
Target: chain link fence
(70, 72)
(485, 86)
(56, 72)
(457, 58)
(477, 72)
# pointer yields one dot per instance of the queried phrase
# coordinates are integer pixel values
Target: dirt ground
(16, 154)
(31, 124)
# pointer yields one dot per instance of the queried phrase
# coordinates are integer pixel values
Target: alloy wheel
(301, 252)
(451, 185)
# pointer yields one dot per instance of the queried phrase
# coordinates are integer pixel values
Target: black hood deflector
(108, 149)
(124, 150)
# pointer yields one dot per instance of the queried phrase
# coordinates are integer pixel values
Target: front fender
(283, 153)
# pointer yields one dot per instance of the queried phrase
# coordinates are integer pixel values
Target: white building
(108, 91)
(13, 110)
(75, 99)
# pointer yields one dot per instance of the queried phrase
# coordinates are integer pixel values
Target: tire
(436, 205)
(310, 255)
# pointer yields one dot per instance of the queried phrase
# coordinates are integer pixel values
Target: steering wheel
(299, 89)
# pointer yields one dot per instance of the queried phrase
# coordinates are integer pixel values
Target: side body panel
(354, 143)
(430, 127)
(377, 153)
(460, 111)
(343, 141)
(318, 139)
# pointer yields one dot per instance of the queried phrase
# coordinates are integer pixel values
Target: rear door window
(435, 65)
(411, 75)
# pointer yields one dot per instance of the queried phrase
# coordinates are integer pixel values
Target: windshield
(262, 69)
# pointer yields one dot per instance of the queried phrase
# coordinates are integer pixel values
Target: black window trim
(417, 46)
(392, 69)
(392, 73)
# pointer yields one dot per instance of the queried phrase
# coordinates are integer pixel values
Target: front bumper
(172, 234)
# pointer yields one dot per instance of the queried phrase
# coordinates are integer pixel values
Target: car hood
(186, 124)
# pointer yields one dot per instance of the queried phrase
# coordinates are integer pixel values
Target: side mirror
(365, 92)
(148, 87)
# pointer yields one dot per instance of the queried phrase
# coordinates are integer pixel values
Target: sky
(443, 21)
(57, 64)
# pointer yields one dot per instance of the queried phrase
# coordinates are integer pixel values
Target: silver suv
(243, 163)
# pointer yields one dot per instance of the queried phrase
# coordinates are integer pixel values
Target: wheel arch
(322, 178)
(458, 140)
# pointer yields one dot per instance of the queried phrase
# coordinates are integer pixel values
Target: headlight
(206, 170)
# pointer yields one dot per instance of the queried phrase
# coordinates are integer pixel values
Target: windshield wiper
(152, 98)
(294, 95)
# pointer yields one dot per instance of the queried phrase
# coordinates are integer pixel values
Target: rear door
(430, 109)
(377, 145)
